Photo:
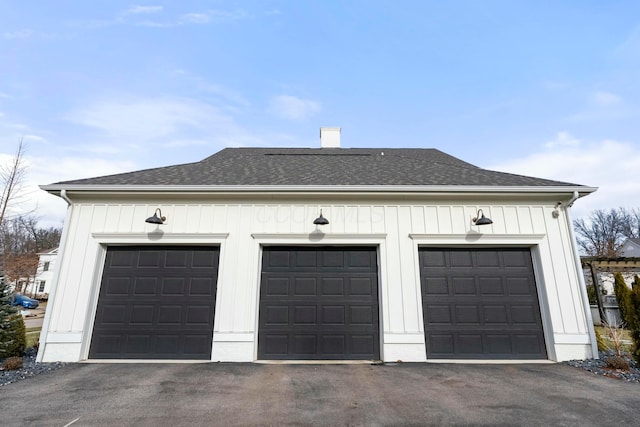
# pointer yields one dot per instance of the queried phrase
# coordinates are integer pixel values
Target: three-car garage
(317, 303)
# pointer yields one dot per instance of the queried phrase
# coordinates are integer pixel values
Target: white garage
(258, 254)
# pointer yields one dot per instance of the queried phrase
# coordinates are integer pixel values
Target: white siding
(351, 222)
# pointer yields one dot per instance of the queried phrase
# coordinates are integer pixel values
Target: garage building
(311, 254)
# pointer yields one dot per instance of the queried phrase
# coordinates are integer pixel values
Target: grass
(33, 334)
(626, 337)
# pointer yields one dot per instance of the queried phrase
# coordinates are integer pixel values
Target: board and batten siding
(241, 228)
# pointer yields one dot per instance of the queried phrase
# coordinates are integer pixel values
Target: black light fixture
(321, 220)
(155, 219)
(480, 219)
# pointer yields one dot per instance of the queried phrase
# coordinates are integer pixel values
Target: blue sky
(542, 88)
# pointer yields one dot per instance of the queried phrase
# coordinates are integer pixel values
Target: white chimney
(330, 137)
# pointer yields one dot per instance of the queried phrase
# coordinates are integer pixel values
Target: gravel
(599, 367)
(29, 368)
(596, 366)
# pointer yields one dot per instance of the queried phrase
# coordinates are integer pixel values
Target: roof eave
(56, 189)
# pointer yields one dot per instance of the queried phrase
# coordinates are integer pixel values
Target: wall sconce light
(321, 220)
(155, 219)
(480, 219)
(556, 213)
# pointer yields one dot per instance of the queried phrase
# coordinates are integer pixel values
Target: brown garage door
(319, 303)
(156, 303)
(480, 304)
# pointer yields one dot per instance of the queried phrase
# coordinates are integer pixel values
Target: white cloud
(604, 106)
(195, 18)
(198, 18)
(563, 139)
(146, 119)
(137, 10)
(605, 99)
(610, 165)
(19, 34)
(293, 108)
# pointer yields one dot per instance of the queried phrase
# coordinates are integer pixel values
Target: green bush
(13, 339)
(12, 330)
(634, 324)
(629, 303)
(602, 344)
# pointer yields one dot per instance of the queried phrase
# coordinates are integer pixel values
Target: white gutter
(56, 278)
(581, 282)
(320, 188)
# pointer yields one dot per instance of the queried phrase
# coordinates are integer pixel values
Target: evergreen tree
(12, 330)
(622, 292)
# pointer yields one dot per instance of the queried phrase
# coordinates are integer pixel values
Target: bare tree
(20, 242)
(12, 178)
(602, 233)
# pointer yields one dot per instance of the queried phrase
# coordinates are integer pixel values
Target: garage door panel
(467, 315)
(332, 286)
(460, 259)
(312, 304)
(333, 315)
(304, 315)
(116, 286)
(519, 286)
(162, 309)
(491, 286)
(142, 314)
(463, 286)
(490, 308)
(305, 286)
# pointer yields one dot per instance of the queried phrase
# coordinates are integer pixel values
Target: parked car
(25, 301)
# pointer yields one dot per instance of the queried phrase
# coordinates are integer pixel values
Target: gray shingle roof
(322, 167)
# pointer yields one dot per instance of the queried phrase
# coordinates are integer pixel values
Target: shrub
(623, 296)
(12, 363)
(629, 303)
(617, 362)
(602, 344)
(12, 330)
(634, 324)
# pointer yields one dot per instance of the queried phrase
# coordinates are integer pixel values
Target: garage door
(156, 303)
(480, 304)
(319, 303)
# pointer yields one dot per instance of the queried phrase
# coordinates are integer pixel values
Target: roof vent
(330, 137)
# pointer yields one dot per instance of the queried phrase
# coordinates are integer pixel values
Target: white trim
(166, 189)
(104, 240)
(407, 338)
(46, 322)
(64, 337)
(572, 338)
(129, 361)
(477, 240)
(160, 237)
(474, 238)
(232, 336)
(492, 361)
(318, 237)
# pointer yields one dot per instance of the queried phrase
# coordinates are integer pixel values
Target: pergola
(603, 264)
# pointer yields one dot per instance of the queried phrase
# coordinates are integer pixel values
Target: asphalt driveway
(255, 394)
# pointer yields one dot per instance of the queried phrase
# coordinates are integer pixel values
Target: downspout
(581, 282)
(56, 277)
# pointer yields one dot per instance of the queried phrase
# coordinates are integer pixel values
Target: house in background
(256, 254)
(630, 248)
(38, 286)
(44, 274)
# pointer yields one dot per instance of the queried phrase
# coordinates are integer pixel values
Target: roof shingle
(322, 167)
